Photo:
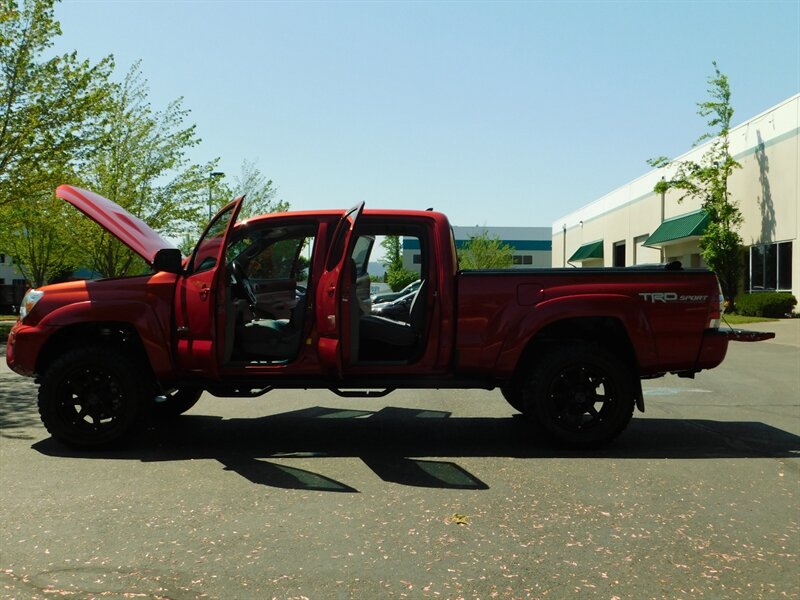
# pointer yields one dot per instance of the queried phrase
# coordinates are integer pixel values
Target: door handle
(204, 292)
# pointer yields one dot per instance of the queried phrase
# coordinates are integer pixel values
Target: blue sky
(497, 113)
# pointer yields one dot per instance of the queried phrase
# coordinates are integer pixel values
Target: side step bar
(362, 393)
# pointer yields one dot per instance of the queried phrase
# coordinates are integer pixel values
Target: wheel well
(122, 336)
(606, 332)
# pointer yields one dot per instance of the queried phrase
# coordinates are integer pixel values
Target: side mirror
(169, 260)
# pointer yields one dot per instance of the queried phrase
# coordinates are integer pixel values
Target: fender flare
(139, 315)
(548, 312)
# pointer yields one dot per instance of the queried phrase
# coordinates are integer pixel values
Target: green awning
(588, 252)
(679, 228)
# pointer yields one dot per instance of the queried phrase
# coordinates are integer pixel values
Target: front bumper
(23, 347)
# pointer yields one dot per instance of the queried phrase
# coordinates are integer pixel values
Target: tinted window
(361, 253)
(209, 247)
(785, 266)
(278, 260)
(771, 267)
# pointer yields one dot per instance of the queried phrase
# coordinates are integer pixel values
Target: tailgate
(746, 335)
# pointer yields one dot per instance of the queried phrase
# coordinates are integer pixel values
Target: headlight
(28, 302)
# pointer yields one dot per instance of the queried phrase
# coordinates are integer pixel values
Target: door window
(278, 260)
(210, 245)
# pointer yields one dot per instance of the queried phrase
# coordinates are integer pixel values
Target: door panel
(200, 297)
(363, 286)
(275, 298)
(332, 301)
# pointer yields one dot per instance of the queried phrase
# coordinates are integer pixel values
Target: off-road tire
(91, 397)
(514, 396)
(580, 395)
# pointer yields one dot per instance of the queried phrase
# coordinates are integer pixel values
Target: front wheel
(513, 395)
(91, 397)
(581, 395)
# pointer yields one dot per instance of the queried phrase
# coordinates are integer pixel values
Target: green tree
(397, 276)
(400, 278)
(141, 164)
(259, 192)
(49, 114)
(484, 252)
(393, 252)
(34, 235)
(707, 181)
(49, 108)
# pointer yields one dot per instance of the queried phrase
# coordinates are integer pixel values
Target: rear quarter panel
(499, 313)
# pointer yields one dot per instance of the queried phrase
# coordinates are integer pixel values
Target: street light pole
(211, 177)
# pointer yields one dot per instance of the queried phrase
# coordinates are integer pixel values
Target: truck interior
(397, 337)
(267, 300)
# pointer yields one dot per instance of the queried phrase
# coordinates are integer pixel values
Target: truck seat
(396, 333)
(273, 338)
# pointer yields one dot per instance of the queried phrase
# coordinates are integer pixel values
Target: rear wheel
(91, 397)
(581, 395)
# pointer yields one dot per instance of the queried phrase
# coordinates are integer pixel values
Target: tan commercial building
(633, 225)
(531, 247)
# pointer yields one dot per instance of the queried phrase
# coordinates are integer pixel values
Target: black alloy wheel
(581, 395)
(90, 396)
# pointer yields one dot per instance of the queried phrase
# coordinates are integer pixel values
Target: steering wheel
(241, 278)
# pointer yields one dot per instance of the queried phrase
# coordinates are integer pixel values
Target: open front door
(200, 297)
(332, 290)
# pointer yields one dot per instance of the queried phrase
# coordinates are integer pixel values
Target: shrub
(400, 278)
(5, 327)
(765, 304)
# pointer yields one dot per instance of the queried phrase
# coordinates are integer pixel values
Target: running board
(238, 392)
(362, 393)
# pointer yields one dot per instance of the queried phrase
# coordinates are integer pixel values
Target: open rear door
(332, 290)
(200, 297)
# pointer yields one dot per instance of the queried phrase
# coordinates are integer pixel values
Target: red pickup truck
(282, 301)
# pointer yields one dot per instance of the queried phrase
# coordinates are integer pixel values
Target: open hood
(131, 231)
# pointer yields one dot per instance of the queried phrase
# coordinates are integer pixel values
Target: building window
(771, 267)
(619, 254)
(418, 259)
(2, 259)
(522, 259)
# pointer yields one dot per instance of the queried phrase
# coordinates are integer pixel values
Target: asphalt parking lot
(419, 495)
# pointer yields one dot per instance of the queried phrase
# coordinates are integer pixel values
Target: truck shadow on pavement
(396, 444)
